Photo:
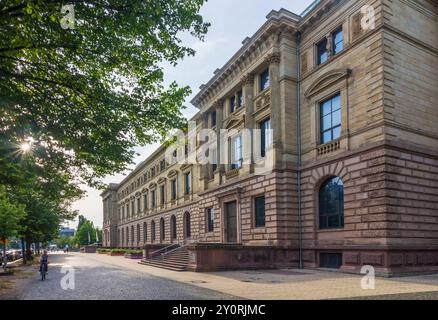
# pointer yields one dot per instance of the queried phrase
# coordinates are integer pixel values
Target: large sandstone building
(349, 90)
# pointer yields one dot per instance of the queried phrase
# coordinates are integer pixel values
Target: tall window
(145, 201)
(236, 152)
(138, 205)
(138, 233)
(162, 193)
(153, 199)
(331, 204)
(173, 227)
(162, 230)
(321, 51)
(162, 165)
(210, 219)
(213, 118)
(266, 137)
(264, 80)
(239, 99)
(259, 208)
(127, 210)
(145, 232)
(152, 231)
(132, 208)
(331, 119)
(173, 189)
(187, 183)
(232, 104)
(338, 41)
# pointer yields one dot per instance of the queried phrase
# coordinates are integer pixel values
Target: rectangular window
(145, 202)
(132, 208)
(187, 183)
(127, 210)
(338, 41)
(259, 208)
(210, 220)
(232, 104)
(162, 165)
(213, 160)
(173, 191)
(264, 80)
(153, 198)
(162, 194)
(213, 119)
(330, 119)
(266, 137)
(239, 99)
(322, 53)
(138, 205)
(237, 153)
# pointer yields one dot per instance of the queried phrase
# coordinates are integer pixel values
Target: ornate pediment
(161, 180)
(172, 173)
(152, 185)
(327, 80)
(234, 121)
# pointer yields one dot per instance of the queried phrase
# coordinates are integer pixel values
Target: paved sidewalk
(284, 284)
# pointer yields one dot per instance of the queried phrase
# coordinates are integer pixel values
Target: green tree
(62, 242)
(88, 95)
(10, 216)
(86, 233)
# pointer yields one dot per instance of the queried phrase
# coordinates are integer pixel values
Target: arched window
(187, 226)
(173, 227)
(152, 231)
(145, 232)
(162, 230)
(138, 234)
(331, 204)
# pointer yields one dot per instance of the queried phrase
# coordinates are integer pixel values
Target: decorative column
(219, 105)
(248, 99)
(274, 73)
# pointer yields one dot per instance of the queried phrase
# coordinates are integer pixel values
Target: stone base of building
(386, 262)
(218, 256)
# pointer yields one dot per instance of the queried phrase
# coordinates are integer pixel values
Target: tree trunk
(28, 252)
(23, 251)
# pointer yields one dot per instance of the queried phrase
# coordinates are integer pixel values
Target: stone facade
(386, 153)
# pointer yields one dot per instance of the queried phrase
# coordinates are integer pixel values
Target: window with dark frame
(331, 204)
(138, 205)
(210, 219)
(338, 41)
(173, 189)
(162, 194)
(153, 199)
(145, 201)
(321, 51)
(213, 119)
(239, 99)
(264, 80)
(330, 122)
(266, 137)
(259, 209)
(232, 103)
(187, 183)
(237, 153)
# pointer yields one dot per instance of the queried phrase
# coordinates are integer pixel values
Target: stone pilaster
(274, 73)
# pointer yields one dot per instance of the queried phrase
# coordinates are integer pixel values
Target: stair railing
(162, 250)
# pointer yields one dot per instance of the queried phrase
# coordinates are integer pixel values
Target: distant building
(66, 232)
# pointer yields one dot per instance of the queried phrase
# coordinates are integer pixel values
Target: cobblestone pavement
(95, 280)
(104, 277)
(290, 284)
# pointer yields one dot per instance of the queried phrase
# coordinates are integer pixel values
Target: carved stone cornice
(219, 104)
(247, 79)
(273, 57)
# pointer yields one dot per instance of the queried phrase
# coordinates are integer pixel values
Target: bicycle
(43, 271)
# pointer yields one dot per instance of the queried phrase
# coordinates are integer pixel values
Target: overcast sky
(231, 22)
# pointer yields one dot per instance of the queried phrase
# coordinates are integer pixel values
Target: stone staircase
(176, 260)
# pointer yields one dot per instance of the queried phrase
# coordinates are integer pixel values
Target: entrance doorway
(231, 222)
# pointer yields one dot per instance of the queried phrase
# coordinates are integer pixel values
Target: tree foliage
(90, 94)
